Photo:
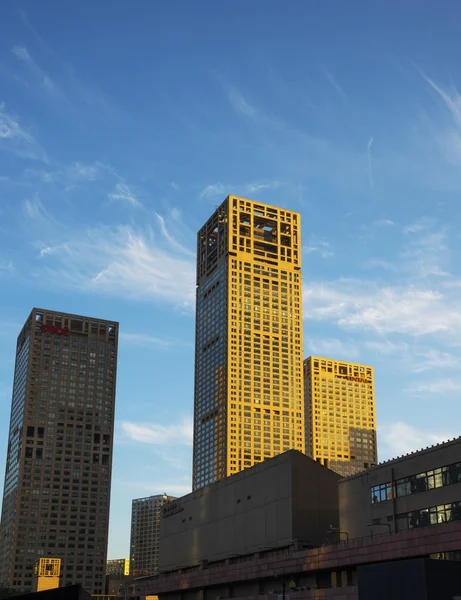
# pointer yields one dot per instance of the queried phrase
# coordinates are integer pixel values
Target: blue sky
(123, 124)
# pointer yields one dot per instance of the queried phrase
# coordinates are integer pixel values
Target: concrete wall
(270, 505)
(356, 508)
(315, 500)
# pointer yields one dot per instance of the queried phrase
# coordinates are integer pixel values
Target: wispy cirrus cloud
(436, 386)
(41, 78)
(383, 223)
(448, 135)
(363, 305)
(336, 85)
(321, 247)
(17, 139)
(258, 187)
(70, 176)
(34, 209)
(146, 340)
(330, 347)
(398, 438)
(127, 261)
(212, 191)
(161, 435)
(130, 263)
(65, 88)
(240, 104)
(174, 243)
(219, 190)
(47, 250)
(435, 360)
(124, 193)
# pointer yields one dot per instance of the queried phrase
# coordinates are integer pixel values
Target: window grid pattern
(261, 395)
(340, 415)
(421, 482)
(62, 500)
(145, 534)
(433, 515)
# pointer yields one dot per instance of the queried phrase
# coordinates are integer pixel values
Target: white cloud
(34, 209)
(357, 304)
(414, 227)
(41, 77)
(239, 104)
(383, 223)
(257, 187)
(123, 192)
(125, 262)
(451, 100)
(436, 359)
(213, 191)
(218, 190)
(322, 248)
(386, 347)
(400, 438)
(146, 340)
(174, 243)
(426, 255)
(52, 249)
(438, 386)
(6, 265)
(15, 138)
(163, 435)
(336, 85)
(329, 347)
(134, 264)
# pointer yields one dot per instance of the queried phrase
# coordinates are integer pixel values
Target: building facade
(413, 491)
(118, 566)
(145, 534)
(286, 501)
(249, 401)
(340, 416)
(117, 575)
(59, 457)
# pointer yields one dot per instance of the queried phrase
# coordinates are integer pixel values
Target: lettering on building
(359, 379)
(55, 330)
(172, 509)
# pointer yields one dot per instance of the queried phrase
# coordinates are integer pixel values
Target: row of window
(429, 516)
(413, 484)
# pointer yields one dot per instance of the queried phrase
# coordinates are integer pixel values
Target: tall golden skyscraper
(248, 351)
(339, 401)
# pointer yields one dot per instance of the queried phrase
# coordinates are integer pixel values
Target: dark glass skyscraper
(145, 533)
(59, 458)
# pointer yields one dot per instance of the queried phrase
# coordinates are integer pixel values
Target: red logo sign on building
(56, 330)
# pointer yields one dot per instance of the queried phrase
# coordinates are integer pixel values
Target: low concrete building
(324, 573)
(412, 491)
(289, 500)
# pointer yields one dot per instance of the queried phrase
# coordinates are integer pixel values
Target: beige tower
(340, 414)
(249, 402)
